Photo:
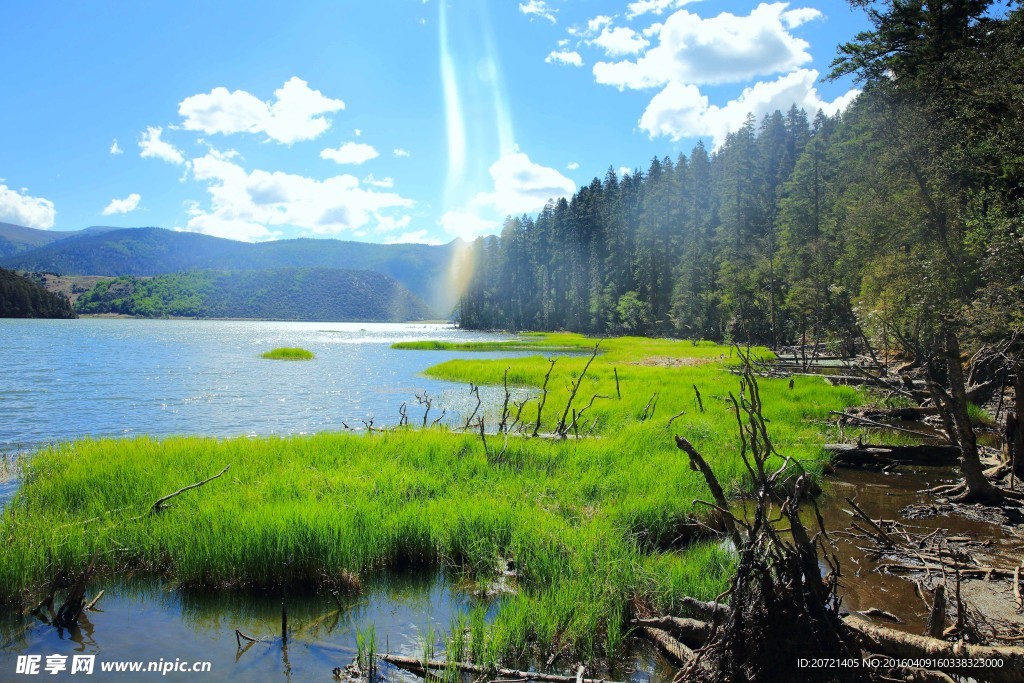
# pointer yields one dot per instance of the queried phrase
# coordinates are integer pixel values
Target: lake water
(65, 379)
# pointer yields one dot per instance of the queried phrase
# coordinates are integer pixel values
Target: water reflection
(146, 621)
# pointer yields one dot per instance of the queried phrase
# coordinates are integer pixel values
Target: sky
(385, 121)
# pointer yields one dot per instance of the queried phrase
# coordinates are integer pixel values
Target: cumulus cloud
(572, 166)
(401, 153)
(129, 203)
(594, 25)
(538, 8)
(635, 9)
(115, 148)
(522, 186)
(22, 209)
(247, 205)
(722, 49)
(350, 153)
(566, 57)
(152, 146)
(383, 182)
(682, 111)
(296, 113)
(620, 41)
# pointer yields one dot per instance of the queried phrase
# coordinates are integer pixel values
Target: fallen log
(907, 414)
(879, 640)
(689, 630)
(420, 668)
(675, 650)
(869, 454)
(1008, 662)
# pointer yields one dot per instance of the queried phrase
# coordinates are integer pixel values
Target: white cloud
(538, 8)
(564, 42)
(296, 114)
(401, 153)
(245, 205)
(800, 15)
(567, 57)
(635, 9)
(358, 132)
(572, 166)
(350, 153)
(22, 209)
(152, 146)
(721, 49)
(521, 186)
(115, 148)
(466, 224)
(620, 41)
(624, 171)
(383, 182)
(594, 25)
(652, 30)
(129, 203)
(682, 111)
(414, 237)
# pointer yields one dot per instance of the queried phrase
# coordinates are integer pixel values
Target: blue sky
(386, 121)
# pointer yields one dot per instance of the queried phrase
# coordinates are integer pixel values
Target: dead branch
(562, 429)
(161, 503)
(544, 396)
(421, 668)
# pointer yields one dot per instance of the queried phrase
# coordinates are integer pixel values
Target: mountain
(322, 294)
(154, 251)
(16, 239)
(22, 298)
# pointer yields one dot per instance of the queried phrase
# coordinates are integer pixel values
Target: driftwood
(675, 650)
(420, 668)
(870, 454)
(877, 641)
(688, 630)
(907, 414)
(161, 503)
(887, 641)
(74, 603)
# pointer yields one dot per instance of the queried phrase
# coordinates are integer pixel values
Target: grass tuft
(288, 353)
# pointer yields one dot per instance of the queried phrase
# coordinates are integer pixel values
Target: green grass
(593, 525)
(288, 353)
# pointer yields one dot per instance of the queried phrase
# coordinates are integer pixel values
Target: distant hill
(154, 251)
(22, 298)
(16, 239)
(323, 294)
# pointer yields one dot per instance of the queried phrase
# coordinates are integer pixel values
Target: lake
(66, 379)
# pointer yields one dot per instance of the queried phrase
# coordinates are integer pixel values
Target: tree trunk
(1016, 439)
(979, 488)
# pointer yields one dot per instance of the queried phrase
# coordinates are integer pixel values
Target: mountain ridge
(150, 251)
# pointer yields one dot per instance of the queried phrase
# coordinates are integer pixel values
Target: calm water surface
(65, 379)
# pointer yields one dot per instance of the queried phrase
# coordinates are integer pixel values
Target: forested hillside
(22, 298)
(155, 251)
(283, 294)
(901, 216)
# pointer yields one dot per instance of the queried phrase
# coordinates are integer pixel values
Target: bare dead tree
(543, 396)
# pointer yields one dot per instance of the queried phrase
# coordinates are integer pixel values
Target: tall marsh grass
(287, 353)
(593, 525)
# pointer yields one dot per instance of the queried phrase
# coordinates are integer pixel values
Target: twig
(161, 503)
